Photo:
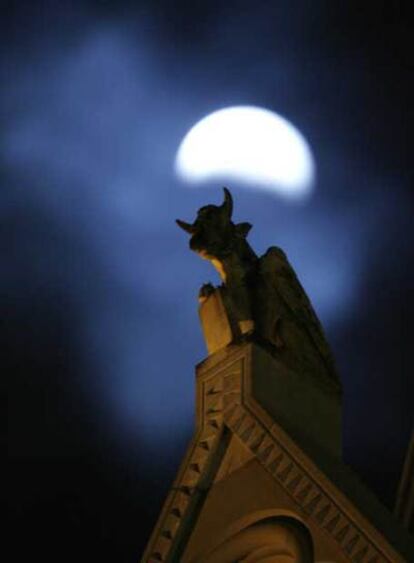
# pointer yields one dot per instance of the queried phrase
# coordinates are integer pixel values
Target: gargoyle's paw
(205, 291)
(246, 326)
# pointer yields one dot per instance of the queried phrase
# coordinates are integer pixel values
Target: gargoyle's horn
(228, 203)
(185, 226)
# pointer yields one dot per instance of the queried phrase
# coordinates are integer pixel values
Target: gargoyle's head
(214, 235)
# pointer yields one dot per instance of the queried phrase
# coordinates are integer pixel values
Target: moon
(250, 145)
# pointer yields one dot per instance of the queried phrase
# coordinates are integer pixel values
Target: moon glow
(250, 145)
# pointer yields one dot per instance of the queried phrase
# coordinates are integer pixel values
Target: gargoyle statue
(262, 296)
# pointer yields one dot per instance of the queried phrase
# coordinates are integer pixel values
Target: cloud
(90, 140)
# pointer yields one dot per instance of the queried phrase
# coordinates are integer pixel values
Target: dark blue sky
(99, 289)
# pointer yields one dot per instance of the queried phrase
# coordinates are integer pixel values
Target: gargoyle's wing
(276, 265)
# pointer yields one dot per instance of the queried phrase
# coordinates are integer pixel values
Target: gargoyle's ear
(185, 226)
(242, 229)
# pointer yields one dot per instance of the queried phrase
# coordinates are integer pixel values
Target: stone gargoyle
(262, 296)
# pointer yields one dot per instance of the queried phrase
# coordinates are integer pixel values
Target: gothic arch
(261, 537)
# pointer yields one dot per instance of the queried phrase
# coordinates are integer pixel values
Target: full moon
(250, 145)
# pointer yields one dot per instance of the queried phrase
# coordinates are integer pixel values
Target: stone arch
(265, 536)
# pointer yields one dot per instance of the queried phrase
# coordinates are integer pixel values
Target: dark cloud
(98, 287)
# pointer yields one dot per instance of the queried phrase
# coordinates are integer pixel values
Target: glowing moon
(250, 145)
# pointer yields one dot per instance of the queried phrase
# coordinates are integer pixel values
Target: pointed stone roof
(238, 431)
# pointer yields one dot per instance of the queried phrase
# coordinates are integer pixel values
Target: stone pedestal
(308, 408)
(215, 322)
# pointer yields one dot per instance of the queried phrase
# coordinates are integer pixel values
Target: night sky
(99, 324)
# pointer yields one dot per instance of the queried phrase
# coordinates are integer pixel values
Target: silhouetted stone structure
(262, 480)
(404, 506)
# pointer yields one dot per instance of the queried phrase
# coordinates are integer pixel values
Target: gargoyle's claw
(205, 291)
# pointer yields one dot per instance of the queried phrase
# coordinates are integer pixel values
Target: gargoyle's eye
(204, 213)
